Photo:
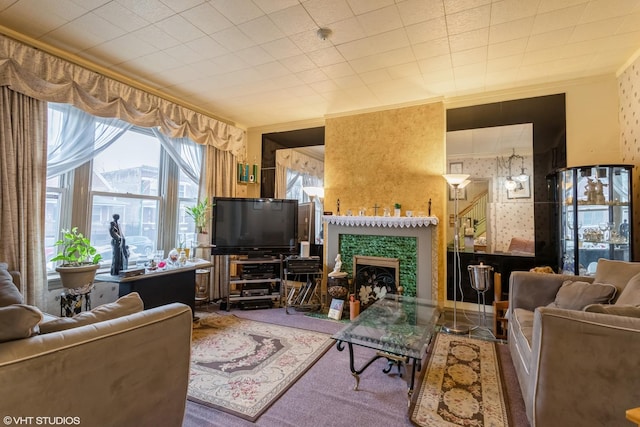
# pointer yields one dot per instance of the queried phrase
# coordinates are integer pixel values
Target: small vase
(396, 212)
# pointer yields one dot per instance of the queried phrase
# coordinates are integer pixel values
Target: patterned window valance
(46, 77)
(294, 160)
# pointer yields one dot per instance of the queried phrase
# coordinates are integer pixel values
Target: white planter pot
(78, 277)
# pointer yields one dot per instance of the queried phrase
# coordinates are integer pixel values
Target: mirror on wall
(300, 175)
(496, 209)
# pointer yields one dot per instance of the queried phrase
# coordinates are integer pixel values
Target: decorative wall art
(522, 191)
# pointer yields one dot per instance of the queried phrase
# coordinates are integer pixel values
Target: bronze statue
(120, 250)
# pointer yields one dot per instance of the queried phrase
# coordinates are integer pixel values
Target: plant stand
(71, 300)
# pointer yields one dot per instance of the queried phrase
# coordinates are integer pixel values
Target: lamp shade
(455, 179)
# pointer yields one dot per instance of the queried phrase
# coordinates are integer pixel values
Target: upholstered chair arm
(584, 368)
(530, 290)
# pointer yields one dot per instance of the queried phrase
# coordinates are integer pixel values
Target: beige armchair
(575, 367)
(130, 370)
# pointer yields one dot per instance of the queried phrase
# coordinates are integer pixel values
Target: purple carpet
(324, 395)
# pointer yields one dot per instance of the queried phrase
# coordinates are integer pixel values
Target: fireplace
(412, 240)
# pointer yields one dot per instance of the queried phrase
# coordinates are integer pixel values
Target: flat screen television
(254, 227)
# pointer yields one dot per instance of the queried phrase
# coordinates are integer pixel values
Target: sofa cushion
(18, 321)
(9, 293)
(618, 273)
(614, 309)
(128, 304)
(576, 295)
(630, 295)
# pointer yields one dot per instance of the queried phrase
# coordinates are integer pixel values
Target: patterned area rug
(461, 386)
(242, 366)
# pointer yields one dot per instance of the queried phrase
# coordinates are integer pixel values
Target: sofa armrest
(132, 371)
(529, 290)
(584, 369)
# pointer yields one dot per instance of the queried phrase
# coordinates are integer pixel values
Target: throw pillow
(128, 304)
(18, 321)
(618, 273)
(630, 295)
(576, 295)
(615, 309)
(9, 293)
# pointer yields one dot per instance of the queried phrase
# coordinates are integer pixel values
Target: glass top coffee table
(399, 328)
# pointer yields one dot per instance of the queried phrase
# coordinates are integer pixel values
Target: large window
(131, 176)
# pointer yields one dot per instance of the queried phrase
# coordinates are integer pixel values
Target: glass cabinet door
(595, 221)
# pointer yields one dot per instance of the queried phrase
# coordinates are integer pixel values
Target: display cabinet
(595, 216)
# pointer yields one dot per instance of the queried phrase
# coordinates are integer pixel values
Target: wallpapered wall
(387, 157)
(629, 101)
(508, 218)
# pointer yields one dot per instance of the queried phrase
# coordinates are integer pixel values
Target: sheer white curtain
(77, 137)
(186, 153)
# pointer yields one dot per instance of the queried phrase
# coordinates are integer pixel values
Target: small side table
(71, 300)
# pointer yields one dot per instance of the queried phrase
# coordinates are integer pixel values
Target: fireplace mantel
(380, 221)
(423, 229)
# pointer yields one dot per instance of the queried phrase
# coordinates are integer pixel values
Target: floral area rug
(461, 386)
(242, 366)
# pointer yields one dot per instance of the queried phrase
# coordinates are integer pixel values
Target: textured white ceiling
(259, 62)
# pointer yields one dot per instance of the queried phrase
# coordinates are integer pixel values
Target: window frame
(77, 199)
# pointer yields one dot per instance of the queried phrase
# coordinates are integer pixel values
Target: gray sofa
(577, 366)
(107, 368)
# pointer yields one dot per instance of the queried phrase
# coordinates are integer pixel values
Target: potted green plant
(200, 215)
(80, 260)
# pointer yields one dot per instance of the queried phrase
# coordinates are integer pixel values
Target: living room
(376, 154)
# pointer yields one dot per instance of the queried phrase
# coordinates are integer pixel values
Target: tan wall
(387, 157)
(592, 123)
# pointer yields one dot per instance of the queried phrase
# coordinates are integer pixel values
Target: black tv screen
(244, 226)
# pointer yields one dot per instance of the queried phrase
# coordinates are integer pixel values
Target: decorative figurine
(336, 269)
(120, 250)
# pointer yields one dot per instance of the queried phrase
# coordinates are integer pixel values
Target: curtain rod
(74, 59)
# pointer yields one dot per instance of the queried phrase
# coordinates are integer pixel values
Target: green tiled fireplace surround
(403, 248)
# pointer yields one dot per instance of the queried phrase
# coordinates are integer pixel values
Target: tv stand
(256, 282)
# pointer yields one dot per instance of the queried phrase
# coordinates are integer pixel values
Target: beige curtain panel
(23, 154)
(42, 76)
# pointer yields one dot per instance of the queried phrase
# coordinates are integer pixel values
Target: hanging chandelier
(513, 181)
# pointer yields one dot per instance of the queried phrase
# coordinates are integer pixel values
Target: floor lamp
(457, 182)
